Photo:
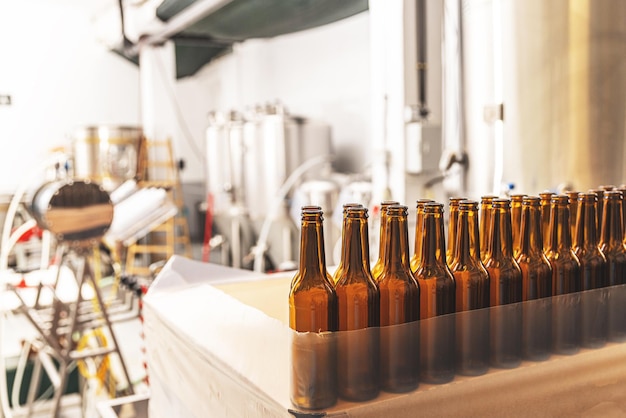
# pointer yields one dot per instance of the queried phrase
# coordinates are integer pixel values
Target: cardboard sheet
(218, 344)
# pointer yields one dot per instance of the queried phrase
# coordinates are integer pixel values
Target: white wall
(59, 77)
(322, 73)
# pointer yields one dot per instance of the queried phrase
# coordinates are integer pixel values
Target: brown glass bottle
(505, 279)
(600, 212)
(358, 303)
(536, 284)
(378, 266)
(339, 269)
(546, 198)
(453, 217)
(565, 279)
(573, 211)
(399, 304)
(313, 309)
(592, 272)
(612, 246)
(516, 220)
(486, 210)
(472, 294)
(419, 232)
(437, 298)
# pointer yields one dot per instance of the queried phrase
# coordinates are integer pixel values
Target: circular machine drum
(106, 154)
(76, 211)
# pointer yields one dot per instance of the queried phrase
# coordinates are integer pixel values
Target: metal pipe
(421, 64)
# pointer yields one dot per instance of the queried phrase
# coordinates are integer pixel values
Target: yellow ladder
(157, 168)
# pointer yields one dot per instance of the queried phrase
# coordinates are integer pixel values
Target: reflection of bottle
(486, 209)
(516, 220)
(612, 246)
(472, 292)
(505, 279)
(453, 218)
(313, 308)
(546, 197)
(399, 304)
(346, 207)
(437, 297)
(565, 279)
(378, 267)
(358, 302)
(419, 232)
(592, 272)
(536, 284)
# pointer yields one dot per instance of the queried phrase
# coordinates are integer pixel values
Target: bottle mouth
(531, 201)
(501, 203)
(560, 199)
(468, 204)
(433, 207)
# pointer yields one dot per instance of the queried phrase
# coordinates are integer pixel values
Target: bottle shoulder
(304, 281)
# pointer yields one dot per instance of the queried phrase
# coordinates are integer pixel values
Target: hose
(261, 247)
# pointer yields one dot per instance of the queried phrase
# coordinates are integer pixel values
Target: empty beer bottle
(339, 269)
(419, 232)
(592, 272)
(536, 284)
(573, 211)
(399, 304)
(437, 297)
(516, 220)
(565, 279)
(505, 279)
(472, 294)
(378, 267)
(453, 217)
(486, 209)
(612, 246)
(313, 309)
(358, 303)
(546, 198)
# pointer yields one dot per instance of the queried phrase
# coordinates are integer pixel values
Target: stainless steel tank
(249, 159)
(76, 212)
(544, 93)
(107, 155)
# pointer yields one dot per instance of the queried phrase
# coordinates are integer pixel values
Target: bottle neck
(433, 249)
(586, 236)
(500, 242)
(452, 231)
(396, 256)
(419, 232)
(612, 234)
(485, 227)
(463, 253)
(531, 240)
(559, 238)
(382, 242)
(312, 258)
(352, 256)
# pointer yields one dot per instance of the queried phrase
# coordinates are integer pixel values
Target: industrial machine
(254, 160)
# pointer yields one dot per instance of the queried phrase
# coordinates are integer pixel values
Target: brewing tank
(544, 93)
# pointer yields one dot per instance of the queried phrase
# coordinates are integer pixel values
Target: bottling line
(471, 103)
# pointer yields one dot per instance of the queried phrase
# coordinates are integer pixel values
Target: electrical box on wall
(423, 147)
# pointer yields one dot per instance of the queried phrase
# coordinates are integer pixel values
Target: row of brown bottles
(506, 256)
